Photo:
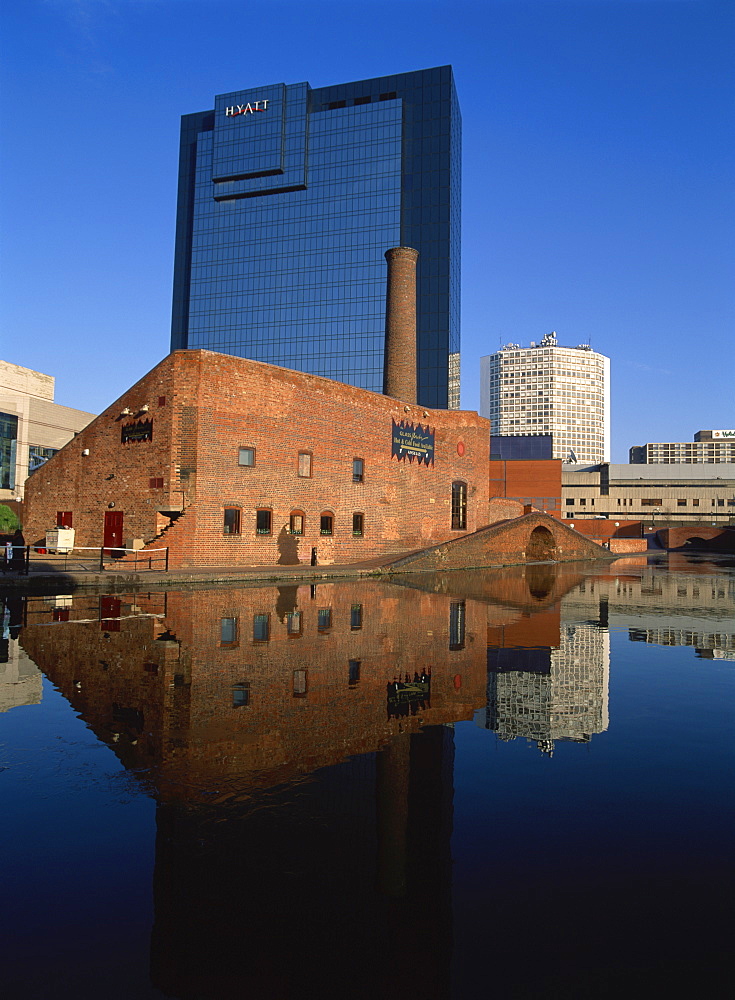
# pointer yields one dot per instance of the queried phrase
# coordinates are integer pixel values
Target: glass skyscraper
(289, 198)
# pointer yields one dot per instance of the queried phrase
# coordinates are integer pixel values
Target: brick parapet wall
(506, 542)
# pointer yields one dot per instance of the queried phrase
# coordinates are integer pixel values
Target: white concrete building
(32, 426)
(548, 389)
(711, 447)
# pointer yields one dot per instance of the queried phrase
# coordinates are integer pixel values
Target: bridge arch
(541, 544)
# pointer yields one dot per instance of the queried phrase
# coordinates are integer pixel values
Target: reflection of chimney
(399, 369)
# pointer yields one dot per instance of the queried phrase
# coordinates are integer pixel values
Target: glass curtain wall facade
(289, 198)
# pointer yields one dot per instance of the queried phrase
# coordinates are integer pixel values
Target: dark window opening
(334, 105)
(362, 100)
(64, 519)
(456, 625)
(232, 521)
(459, 505)
(358, 470)
(240, 695)
(354, 672)
(356, 616)
(228, 631)
(357, 525)
(263, 522)
(156, 483)
(390, 96)
(326, 524)
(324, 619)
(261, 628)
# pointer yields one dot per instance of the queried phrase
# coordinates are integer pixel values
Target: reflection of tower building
(343, 889)
(550, 693)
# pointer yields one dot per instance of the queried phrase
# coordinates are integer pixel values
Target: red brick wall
(603, 529)
(535, 482)
(112, 473)
(216, 403)
(718, 539)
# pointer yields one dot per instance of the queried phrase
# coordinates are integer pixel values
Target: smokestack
(399, 368)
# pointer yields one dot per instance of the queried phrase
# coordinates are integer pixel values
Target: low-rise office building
(685, 494)
(710, 447)
(32, 426)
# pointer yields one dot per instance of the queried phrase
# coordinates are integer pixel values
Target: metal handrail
(141, 556)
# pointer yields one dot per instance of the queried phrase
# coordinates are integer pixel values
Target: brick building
(229, 461)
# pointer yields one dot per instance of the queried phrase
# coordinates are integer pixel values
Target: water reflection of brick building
(236, 702)
(259, 686)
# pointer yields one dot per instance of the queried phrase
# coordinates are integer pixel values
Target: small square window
(263, 522)
(261, 628)
(246, 456)
(305, 464)
(358, 470)
(64, 519)
(240, 695)
(569, 502)
(232, 521)
(357, 523)
(681, 503)
(156, 483)
(326, 524)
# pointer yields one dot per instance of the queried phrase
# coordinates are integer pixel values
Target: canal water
(512, 785)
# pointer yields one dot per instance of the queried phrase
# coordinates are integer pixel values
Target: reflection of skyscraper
(548, 693)
(339, 890)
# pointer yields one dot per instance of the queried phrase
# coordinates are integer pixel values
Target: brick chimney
(399, 367)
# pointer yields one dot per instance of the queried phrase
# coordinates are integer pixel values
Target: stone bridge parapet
(534, 537)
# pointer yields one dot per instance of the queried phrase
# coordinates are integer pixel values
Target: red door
(113, 538)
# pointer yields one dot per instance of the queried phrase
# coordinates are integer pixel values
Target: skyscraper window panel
(361, 179)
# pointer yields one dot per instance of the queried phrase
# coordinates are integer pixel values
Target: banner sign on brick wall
(141, 430)
(412, 443)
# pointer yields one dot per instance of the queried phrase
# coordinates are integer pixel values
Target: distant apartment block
(32, 426)
(546, 391)
(708, 446)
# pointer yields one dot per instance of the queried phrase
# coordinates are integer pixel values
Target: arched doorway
(541, 544)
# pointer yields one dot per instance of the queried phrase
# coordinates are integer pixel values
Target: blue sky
(597, 177)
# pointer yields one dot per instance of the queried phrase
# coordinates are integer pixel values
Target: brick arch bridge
(533, 537)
